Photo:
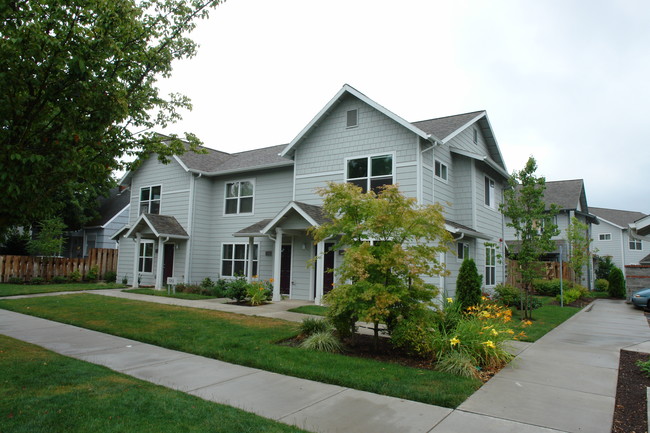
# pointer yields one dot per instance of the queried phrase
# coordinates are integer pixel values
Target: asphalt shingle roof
(166, 225)
(564, 193)
(441, 127)
(215, 161)
(619, 217)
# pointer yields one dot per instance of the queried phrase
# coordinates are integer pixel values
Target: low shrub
(237, 289)
(602, 285)
(75, 277)
(468, 284)
(15, 280)
(258, 293)
(644, 366)
(207, 284)
(570, 296)
(511, 297)
(616, 283)
(189, 288)
(414, 334)
(311, 325)
(322, 341)
(551, 287)
(125, 280)
(93, 273)
(59, 279)
(110, 276)
(37, 280)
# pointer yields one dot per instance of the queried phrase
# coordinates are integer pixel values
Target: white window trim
(491, 193)
(393, 169)
(442, 164)
(475, 136)
(638, 242)
(225, 193)
(346, 119)
(153, 256)
(149, 201)
(466, 251)
(221, 259)
(605, 237)
(487, 266)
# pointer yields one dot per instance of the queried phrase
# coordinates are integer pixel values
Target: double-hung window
(234, 258)
(370, 173)
(150, 199)
(145, 256)
(605, 237)
(441, 170)
(462, 250)
(490, 265)
(239, 197)
(489, 192)
(635, 244)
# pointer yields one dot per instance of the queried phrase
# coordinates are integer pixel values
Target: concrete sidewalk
(564, 382)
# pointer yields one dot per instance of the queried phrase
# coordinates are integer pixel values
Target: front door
(285, 270)
(328, 266)
(168, 262)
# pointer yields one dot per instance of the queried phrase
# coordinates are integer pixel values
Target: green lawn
(544, 320)
(163, 293)
(317, 310)
(244, 340)
(7, 289)
(46, 392)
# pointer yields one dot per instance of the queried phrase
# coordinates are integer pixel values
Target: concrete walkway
(564, 382)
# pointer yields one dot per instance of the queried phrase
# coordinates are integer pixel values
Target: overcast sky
(564, 81)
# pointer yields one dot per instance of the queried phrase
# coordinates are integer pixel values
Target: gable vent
(352, 118)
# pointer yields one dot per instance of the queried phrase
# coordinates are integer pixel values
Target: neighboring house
(113, 214)
(617, 237)
(571, 199)
(247, 213)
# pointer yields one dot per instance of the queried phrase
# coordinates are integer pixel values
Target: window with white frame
(440, 170)
(489, 192)
(234, 259)
(490, 265)
(371, 172)
(605, 237)
(462, 250)
(352, 118)
(239, 197)
(145, 256)
(150, 199)
(635, 244)
(475, 137)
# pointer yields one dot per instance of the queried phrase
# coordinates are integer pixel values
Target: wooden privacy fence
(26, 267)
(547, 271)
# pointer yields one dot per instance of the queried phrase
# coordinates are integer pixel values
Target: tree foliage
(79, 92)
(49, 239)
(391, 244)
(616, 283)
(532, 221)
(579, 253)
(468, 285)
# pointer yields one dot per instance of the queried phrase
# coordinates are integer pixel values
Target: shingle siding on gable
(328, 145)
(465, 141)
(463, 211)
(444, 191)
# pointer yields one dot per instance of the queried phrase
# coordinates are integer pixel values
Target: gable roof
(162, 226)
(567, 194)
(312, 214)
(217, 163)
(620, 218)
(340, 95)
(109, 207)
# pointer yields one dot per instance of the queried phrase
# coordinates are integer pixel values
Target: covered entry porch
(299, 267)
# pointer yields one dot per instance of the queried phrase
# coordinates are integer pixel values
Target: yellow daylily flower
(489, 344)
(450, 300)
(454, 341)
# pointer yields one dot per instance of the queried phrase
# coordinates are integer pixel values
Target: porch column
(277, 257)
(136, 258)
(320, 271)
(249, 264)
(159, 264)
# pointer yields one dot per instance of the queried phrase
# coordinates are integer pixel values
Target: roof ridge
(451, 115)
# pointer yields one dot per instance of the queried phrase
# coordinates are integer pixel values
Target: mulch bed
(630, 410)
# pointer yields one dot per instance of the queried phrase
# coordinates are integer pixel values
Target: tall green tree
(78, 80)
(468, 284)
(391, 244)
(579, 253)
(49, 239)
(533, 223)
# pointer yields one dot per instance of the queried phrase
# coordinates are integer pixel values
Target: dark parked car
(640, 298)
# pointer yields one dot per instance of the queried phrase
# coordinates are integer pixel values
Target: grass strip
(545, 319)
(7, 289)
(316, 310)
(245, 340)
(163, 293)
(47, 392)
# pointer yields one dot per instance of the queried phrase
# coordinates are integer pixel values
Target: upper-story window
(462, 251)
(371, 172)
(635, 244)
(441, 170)
(352, 118)
(239, 197)
(475, 136)
(150, 199)
(489, 192)
(605, 237)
